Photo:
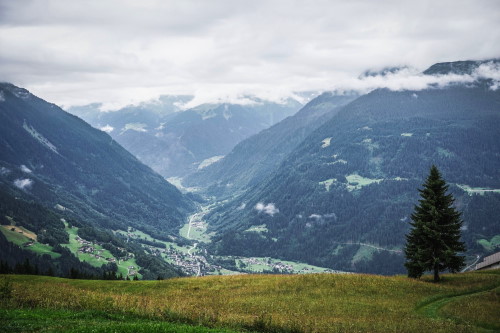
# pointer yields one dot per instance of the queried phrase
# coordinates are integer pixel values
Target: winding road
(369, 245)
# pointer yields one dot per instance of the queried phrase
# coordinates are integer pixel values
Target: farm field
(74, 245)
(21, 236)
(467, 302)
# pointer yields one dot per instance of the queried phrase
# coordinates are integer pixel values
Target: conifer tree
(434, 239)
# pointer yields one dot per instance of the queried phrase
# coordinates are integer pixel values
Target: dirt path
(432, 308)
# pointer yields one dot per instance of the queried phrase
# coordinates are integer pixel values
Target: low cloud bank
(413, 79)
(23, 184)
(107, 129)
(269, 209)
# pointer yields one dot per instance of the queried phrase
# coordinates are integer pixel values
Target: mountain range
(343, 197)
(332, 185)
(175, 142)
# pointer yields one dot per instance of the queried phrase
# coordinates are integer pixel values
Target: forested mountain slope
(58, 159)
(348, 189)
(256, 157)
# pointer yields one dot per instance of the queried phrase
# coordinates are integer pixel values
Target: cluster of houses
(274, 266)
(29, 243)
(188, 263)
(277, 266)
(89, 248)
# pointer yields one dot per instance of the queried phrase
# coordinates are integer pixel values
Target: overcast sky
(73, 52)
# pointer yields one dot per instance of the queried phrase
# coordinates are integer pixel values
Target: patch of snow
(2, 97)
(23, 184)
(227, 114)
(315, 216)
(367, 140)
(210, 161)
(414, 96)
(407, 134)
(159, 128)
(24, 168)
(138, 127)
(242, 206)
(269, 209)
(107, 128)
(40, 138)
(177, 182)
(365, 128)
(326, 142)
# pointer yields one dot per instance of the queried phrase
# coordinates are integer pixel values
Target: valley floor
(468, 302)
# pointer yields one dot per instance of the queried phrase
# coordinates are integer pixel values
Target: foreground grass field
(256, 303)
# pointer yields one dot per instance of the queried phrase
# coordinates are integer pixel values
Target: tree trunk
(436, 274)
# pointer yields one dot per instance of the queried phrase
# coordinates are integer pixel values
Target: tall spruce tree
(434, 239)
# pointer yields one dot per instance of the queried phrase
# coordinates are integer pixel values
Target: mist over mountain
(176, 142)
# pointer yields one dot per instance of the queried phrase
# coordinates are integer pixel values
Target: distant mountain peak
(458, 67)
(383, 72)
(16, 91)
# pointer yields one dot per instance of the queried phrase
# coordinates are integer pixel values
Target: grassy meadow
(253, 303)
(20, 236)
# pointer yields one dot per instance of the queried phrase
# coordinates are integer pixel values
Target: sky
(119, 52)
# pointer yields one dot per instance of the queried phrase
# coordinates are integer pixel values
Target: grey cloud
(121, 52)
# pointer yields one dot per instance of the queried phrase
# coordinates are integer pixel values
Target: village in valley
(195, 260)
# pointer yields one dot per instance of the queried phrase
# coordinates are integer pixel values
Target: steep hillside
(60, 161)
(175, 142)
(342, 199)
(256, 157)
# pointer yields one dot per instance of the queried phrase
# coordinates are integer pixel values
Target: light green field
(311, 303)
(143, 235)
(74, 245)
(356, 182)
(196, 233)
(257, 228)
(266, 264)
(477, 190)
(198, 229)
(364, 253)
(328, 183)
(20, 239)
(490, 245)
